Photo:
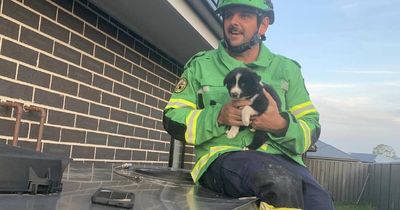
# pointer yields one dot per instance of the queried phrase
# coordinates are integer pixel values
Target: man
(200, 111)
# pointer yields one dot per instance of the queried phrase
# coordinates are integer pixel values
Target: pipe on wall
(43, 113)
(18, 108)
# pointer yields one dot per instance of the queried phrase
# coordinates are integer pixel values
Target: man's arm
(186, 120)
(293, 130)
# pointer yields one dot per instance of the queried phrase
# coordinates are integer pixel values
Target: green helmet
(263, 6)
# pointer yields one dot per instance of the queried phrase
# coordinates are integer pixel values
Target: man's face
(240, 24)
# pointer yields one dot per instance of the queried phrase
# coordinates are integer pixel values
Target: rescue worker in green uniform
(200, 111)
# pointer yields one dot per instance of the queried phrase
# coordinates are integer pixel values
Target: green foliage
(385, 150)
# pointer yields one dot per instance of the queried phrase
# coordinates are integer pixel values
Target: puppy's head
(242, 83)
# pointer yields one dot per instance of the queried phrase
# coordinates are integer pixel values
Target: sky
(349, 51)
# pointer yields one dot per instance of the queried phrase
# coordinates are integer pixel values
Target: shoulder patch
(285, 85)
(181, 85)
(199, 54)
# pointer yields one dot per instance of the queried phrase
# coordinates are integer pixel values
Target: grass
(342, 206)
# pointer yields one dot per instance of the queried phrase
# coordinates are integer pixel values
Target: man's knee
(318, 199)
(278, 187)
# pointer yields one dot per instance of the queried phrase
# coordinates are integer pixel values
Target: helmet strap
(245, 46)
(260, 18)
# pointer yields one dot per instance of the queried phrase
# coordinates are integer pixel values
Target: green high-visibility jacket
(192, 111)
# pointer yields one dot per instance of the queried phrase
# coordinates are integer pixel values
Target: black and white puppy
(244, 83)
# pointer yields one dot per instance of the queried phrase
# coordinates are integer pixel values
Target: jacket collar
(263, 60)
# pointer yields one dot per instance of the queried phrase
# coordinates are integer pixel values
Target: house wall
(104, 87)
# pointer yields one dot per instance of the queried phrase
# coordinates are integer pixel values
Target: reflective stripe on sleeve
(179, 103)
(191, 125)
(306, 133)
(302, 109)
(263, 147)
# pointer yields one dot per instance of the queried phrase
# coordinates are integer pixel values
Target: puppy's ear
(258, 78)
(227, 78)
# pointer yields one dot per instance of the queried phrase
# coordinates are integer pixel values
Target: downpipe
(43, 114)
(18, 109)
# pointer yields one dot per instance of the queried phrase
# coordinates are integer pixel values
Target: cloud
(357, 88)
(354, 124)
(346, 103)
(359, 138)
(319, 86)
(368, 72)
(369, 97)
(390, 83)
(364, 8)
(389, 69)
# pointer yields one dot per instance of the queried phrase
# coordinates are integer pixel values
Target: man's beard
(232, 30)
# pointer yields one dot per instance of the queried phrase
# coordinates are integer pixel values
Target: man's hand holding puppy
(270, 120)
(231, 113)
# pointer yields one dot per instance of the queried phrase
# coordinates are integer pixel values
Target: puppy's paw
(232, 132)
(247, 112)
(246, 121)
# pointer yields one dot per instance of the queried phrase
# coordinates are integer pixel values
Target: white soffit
(170, 25)
(184, 9)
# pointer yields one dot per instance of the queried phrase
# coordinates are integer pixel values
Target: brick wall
(103, 85)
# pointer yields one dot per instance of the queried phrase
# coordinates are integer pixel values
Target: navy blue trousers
(274, 179)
